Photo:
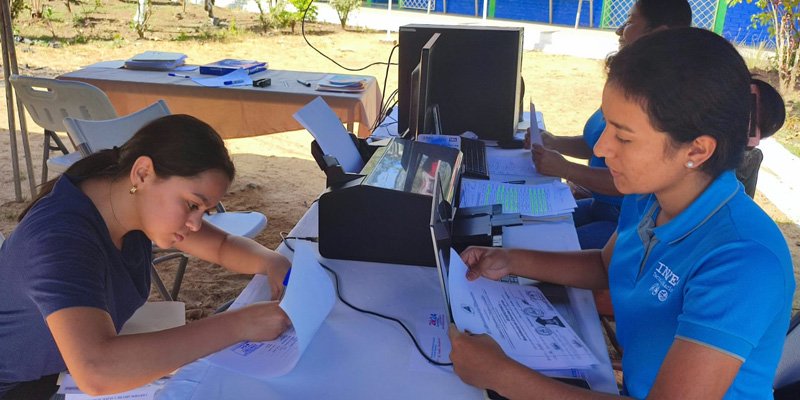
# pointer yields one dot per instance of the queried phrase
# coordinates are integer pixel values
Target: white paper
(536, 134)
(519, 318)
(69, 389)
(308, 300)
(532, 200)
(319, 119)
(431, 334)
(238, 77)
(511, 162)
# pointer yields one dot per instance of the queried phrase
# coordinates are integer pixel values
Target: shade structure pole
(11, 67)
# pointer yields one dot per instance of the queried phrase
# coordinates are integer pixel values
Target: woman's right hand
(262, 321)
(489, 262)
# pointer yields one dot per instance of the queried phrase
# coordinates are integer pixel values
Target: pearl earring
(690, 164)
(133, 189)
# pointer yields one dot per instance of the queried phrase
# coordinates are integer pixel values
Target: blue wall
(737, 26)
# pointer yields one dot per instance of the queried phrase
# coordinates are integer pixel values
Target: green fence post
(492, 4)
(719, 19)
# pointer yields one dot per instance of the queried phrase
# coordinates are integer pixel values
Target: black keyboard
(475, 165)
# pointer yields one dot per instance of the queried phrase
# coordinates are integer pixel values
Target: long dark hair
(179, 145)
(690, 82)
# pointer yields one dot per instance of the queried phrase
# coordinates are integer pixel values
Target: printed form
(519, 318)
(531, 200)
(309, 299)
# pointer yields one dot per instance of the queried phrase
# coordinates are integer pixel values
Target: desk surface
(240, 111)
(358, 356)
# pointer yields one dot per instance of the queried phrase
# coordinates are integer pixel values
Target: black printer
(383, 214)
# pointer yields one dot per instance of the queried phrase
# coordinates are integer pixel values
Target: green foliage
(344, 8)
(17, 6)
(301, 6)
(781, 19)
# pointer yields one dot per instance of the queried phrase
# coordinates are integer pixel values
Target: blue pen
(286, 278)
(233, 82)
(179, 75)
(520, 182)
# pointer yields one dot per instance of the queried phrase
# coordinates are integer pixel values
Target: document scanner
(383, 213)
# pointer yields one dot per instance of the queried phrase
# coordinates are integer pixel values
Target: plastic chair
(49, 101)
(787, 376)
(93, 136)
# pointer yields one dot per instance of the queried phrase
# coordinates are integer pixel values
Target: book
(342, 83)
(229, 65)
(156, 60)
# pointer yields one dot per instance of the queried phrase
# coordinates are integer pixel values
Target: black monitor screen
(420, 120)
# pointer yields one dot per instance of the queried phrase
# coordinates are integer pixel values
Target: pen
(286, 278)
(179, 75)
(520, 182)
(304, 83)
(233, 82)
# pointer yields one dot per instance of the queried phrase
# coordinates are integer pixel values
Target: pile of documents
(156, 60)
(342, 83)
(541, 200)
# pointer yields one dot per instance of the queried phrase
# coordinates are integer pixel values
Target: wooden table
(234, 112)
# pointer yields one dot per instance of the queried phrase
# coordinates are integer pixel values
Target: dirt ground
(277, 175)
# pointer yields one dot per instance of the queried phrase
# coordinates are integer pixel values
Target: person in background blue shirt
(78, 265)
(700, 277)
(596, 216)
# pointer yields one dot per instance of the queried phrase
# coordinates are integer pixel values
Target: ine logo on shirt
(666, 281)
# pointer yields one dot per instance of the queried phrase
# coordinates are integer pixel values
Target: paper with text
(431, 333)
(309, 298)
(514, 163)
(533, 200)
(239, 77)
(536, 134)
(70, 390)
(520, 318)
(319, 119)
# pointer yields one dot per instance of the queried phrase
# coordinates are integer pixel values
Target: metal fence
(429, 5)
(615, 12)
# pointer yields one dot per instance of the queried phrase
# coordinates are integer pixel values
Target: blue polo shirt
(61, 255)
(719, 274)
(594, 127)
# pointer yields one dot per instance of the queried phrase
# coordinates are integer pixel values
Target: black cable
(284, 239)
(303, 31)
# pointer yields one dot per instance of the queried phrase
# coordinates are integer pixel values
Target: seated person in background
(689, 247)
(596, 217)
(78, 265)
(770, 115)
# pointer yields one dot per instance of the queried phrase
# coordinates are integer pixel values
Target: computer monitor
(420, 119)
(475, 78)
(441, 233)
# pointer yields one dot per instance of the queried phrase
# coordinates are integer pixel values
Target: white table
(358, 356)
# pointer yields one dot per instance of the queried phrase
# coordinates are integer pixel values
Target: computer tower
(475, 79)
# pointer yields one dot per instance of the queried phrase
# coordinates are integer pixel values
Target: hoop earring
(133, 189)
(689, 164)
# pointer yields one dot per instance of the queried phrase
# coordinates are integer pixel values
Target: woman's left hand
(477, 359)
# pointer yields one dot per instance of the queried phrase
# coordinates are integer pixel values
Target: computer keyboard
(475, 165)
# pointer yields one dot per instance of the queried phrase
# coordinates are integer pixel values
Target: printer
(383, 213)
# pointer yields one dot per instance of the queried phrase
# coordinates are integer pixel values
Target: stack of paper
(229, 65)
(342, 83)
(546, 199)
(156, 60)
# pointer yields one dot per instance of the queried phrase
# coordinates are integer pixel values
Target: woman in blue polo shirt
(78, 265)
(596, 216)
(700, 277)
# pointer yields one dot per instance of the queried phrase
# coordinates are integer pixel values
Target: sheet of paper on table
(319, 119)
(545, 199)
(520, 318)
(238, 77)
(308, 300)
(69, 389)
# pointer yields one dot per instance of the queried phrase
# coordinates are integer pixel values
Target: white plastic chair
(93, 136)
(49, 101)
